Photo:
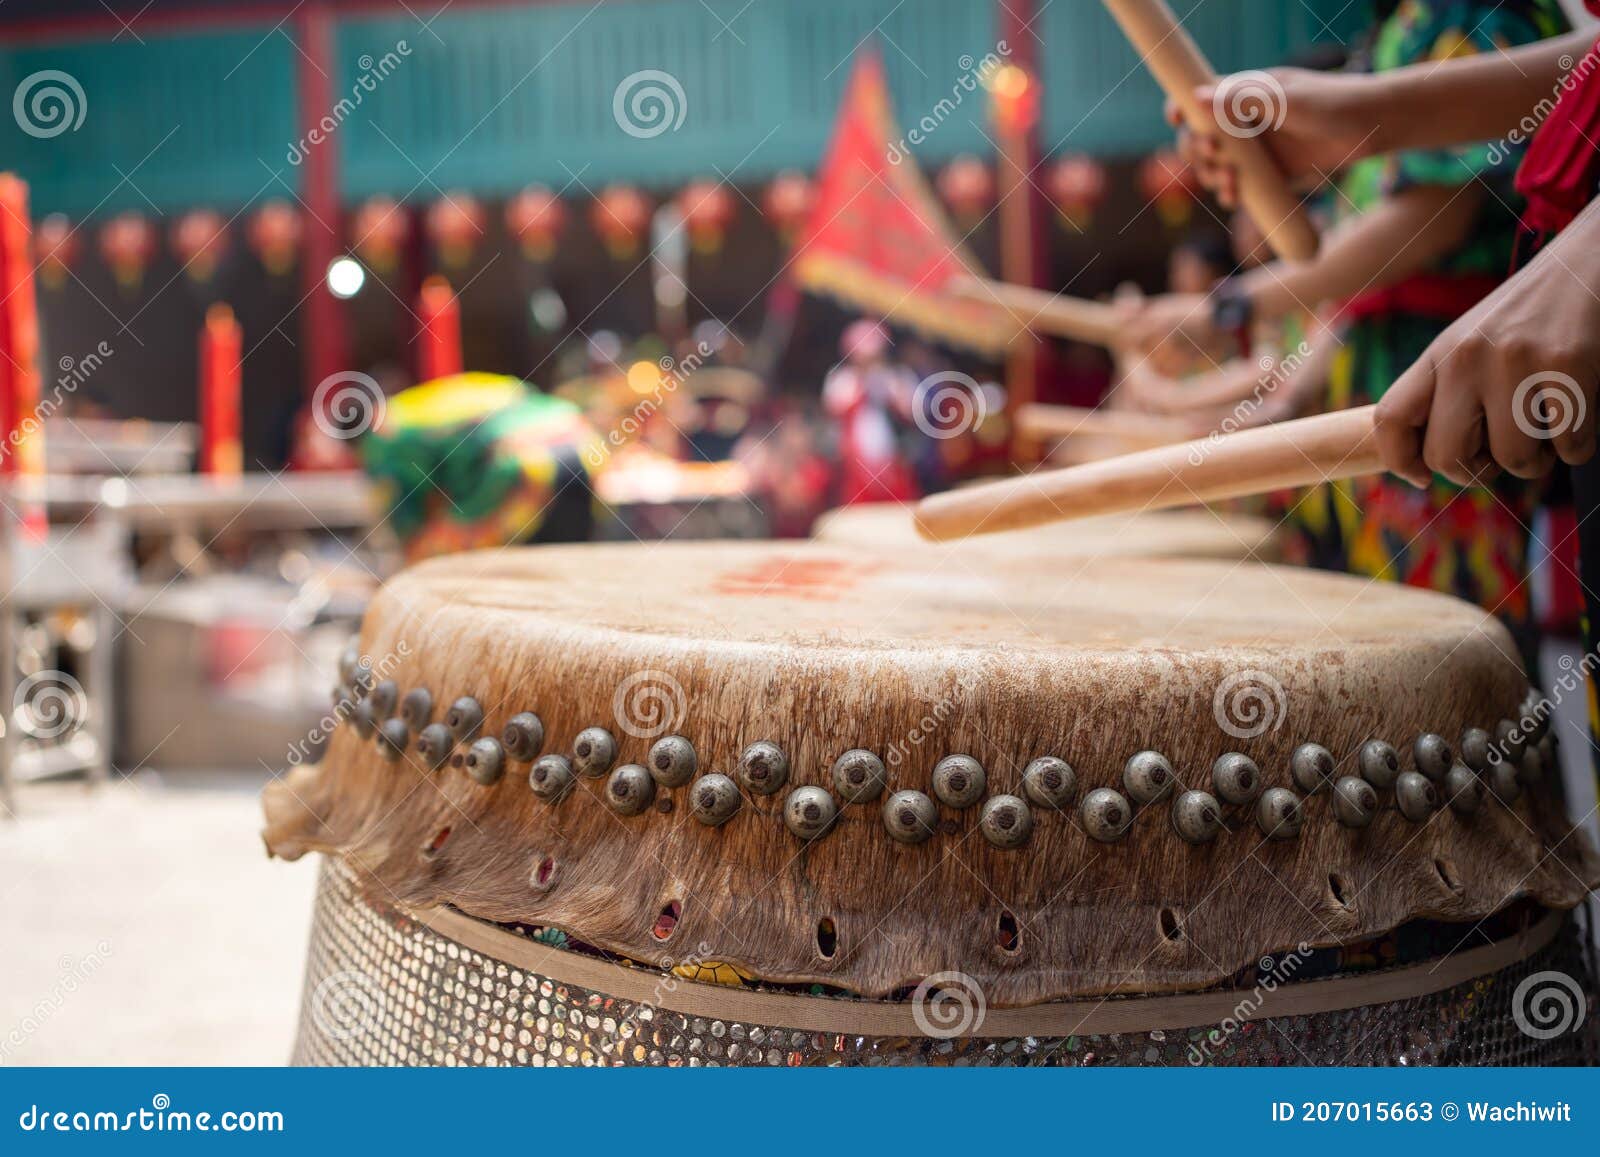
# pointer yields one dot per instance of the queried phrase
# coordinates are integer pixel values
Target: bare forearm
(1480, 98)
(1401, 236)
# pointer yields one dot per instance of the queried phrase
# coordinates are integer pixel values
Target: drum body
(796, 804)
(385, 987)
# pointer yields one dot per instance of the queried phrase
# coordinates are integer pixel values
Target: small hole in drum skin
(1338, 889)
(1447, 874)
(544, 874)
(439, 837)
(1007, 937)
(667, 920)
(1171, 927)
(827, 937)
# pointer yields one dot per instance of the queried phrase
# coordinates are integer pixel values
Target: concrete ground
(143, 924)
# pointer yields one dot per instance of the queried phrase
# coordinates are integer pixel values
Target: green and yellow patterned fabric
(475, 460)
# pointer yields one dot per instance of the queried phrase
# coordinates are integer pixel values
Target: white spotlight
(345, 277)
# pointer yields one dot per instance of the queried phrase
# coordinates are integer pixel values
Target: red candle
(221, 349)
(439, 342)
(21, 424)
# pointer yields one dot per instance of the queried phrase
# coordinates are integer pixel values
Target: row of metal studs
(1506, 762)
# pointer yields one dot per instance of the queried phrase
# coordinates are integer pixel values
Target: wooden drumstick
(1072, 317)
(1043, 421)
(1303, 452)
(1179, 68)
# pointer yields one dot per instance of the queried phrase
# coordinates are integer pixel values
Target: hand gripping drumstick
(1179, 68)
(1303, 452)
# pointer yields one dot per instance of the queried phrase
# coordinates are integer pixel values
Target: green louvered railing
(491, 98)
(173, 122)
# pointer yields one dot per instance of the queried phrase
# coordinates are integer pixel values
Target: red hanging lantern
(535, 217)
(55, 249)
(707, 209)
(274, 235)
(621, 215)
(967, 186)
(455, 226)
(1077, 185)
(1165, 178)
(127, 242)
(379, 232)
(787, 203)
(200, 242)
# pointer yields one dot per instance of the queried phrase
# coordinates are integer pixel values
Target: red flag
(877, 237)
(21, 418)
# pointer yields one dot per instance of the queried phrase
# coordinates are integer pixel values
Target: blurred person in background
(862, 394)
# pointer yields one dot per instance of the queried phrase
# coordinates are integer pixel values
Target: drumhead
(1200, 533)
(824, 765)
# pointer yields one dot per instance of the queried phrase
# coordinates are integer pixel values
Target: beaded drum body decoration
(811, 768)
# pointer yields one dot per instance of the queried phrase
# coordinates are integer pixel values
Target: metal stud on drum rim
(1236, 778)
(1106, 815)
(959, 781)
(1049, 782)
(910, 816)
(859, 776)
(1005, 821)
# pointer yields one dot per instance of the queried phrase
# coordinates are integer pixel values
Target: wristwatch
(1232, 310)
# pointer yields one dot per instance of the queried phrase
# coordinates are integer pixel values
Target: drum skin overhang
(818, 652)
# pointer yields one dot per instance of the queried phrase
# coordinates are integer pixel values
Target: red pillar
(1023, 212)
(321, 334)
(221, 349)
(439, 334)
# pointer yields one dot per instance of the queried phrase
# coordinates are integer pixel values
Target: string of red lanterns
(537, 217)
(621, 216)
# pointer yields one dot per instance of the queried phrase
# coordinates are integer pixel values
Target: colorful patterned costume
(480, 460)
(1470, 543)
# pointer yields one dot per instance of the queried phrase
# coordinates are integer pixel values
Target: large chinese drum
(802, 804)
